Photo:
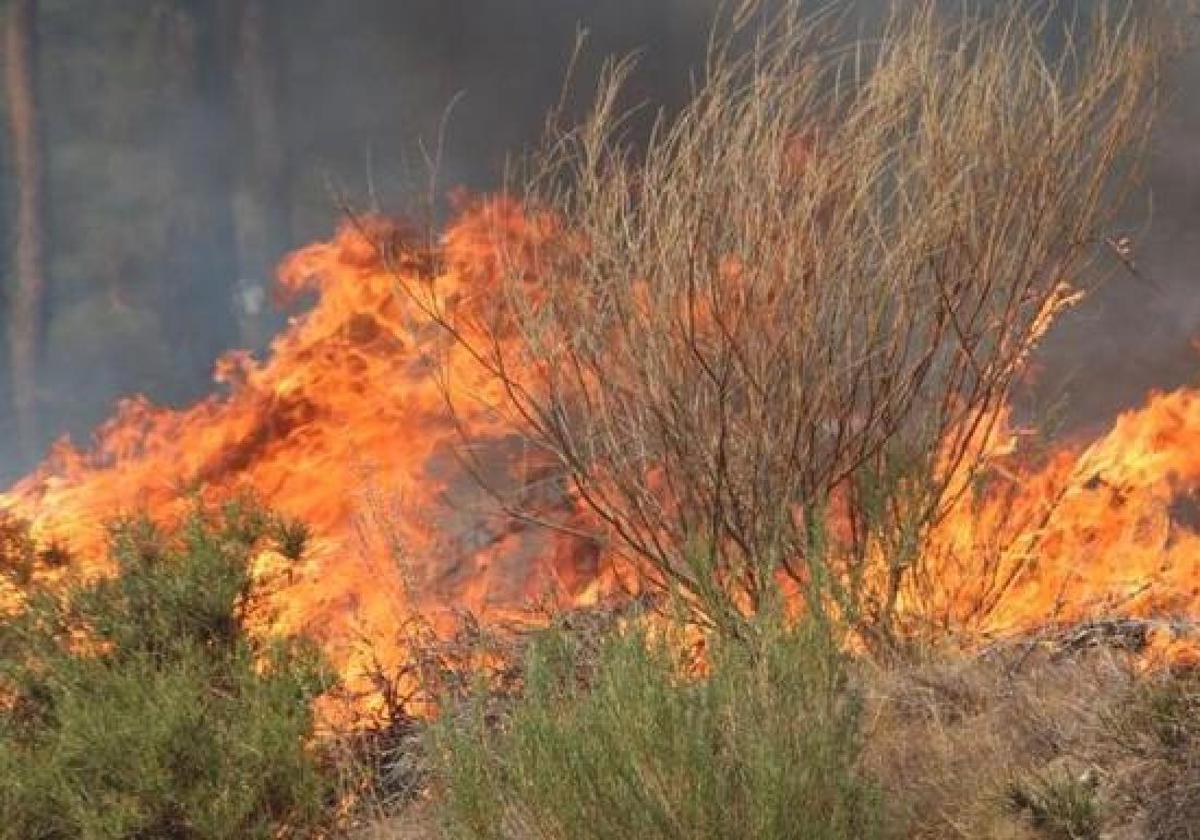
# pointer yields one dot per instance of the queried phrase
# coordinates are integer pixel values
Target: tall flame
(344, 427)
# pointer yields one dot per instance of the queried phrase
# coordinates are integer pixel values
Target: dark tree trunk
(28, 271)
(199, 304)
(260, 197)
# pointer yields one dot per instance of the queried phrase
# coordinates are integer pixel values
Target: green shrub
(139, 706)
(1060, 806)
(614, 742)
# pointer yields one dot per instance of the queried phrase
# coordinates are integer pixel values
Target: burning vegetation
(761, 368)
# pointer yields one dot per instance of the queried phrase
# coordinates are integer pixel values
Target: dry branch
(770, 348)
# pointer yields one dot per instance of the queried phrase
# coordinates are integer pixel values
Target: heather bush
(140, 706)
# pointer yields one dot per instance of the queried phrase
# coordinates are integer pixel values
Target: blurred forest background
(161, 155)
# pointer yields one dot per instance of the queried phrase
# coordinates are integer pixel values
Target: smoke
(146, 288)
(1139, 332)
(147, 162)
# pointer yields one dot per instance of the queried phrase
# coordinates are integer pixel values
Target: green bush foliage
(1060, 806)
(610, 739)
(139, 706)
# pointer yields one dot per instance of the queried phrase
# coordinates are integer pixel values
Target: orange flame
(1107, 530)
(344, 426)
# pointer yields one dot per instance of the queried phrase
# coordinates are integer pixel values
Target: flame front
(345, 427)
(1110, 529)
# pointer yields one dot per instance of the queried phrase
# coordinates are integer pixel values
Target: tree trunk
(198, 304)
(260, 195)
(28, 270)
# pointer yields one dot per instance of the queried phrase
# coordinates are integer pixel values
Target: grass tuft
(1062, 806)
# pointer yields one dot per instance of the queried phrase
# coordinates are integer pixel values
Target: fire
(1110, 529)
(345, 426)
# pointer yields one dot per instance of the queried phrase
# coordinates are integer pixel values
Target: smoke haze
(153, 201)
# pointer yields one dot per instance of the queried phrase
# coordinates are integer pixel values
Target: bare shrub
(771, 345)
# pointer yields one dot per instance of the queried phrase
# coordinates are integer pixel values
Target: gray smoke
(362, 85)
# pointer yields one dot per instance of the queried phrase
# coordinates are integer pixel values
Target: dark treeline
(161, 155)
